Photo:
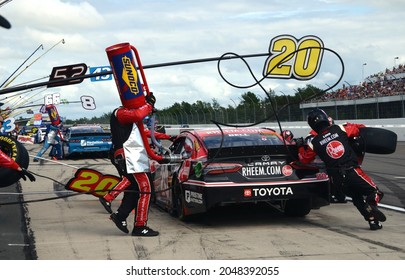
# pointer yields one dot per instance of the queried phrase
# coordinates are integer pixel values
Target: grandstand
(379, 96)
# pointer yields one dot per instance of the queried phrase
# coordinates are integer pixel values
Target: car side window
(187, 148)
(183, 146)
(177, 145)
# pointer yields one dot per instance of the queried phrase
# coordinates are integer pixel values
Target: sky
(367, 35)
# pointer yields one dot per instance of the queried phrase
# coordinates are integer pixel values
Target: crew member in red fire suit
(108, 198)
(332, 145)
(132, 162)
(7, 162)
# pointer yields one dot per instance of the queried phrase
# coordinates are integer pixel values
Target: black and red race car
(236, 165)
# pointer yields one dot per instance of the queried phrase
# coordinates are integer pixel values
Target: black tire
(65, 149)
(378, 140)
(297, 207)
(178, 200)
(15, 150)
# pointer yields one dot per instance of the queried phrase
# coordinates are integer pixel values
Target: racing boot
(121, 224)
(375, 225)
(144, 231)
(106, 204)
(374, 213)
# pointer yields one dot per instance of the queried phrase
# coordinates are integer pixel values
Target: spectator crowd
(388, 83)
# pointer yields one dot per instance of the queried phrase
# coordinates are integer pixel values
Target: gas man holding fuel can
(130, 149)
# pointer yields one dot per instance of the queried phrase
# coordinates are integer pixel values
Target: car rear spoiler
(280, 151)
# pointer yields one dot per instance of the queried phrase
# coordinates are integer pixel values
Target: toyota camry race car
(236, 165)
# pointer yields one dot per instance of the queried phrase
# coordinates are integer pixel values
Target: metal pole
(236, 113)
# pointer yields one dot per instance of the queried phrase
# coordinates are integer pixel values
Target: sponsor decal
(335, 149)
(266, 168)
(247, 192)
(328, 137)
(266, 158)
(85, 143)
(261, 171)
(194, 197)
(268, 192)
(25, 139)
(287, 170)
(129, 75)
(321, 176)
(91, 181)
(10, 141)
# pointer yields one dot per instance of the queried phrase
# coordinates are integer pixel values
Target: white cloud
(175, 30)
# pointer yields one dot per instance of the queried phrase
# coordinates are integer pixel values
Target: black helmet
(318, 120)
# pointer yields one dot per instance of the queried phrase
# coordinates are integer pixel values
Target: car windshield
(89, 130)
(241, 140)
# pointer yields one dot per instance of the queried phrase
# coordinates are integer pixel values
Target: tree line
(250, 107)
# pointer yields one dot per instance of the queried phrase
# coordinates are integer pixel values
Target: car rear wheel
(297, 207)
(65, 150)
(178, 205)
(19, 154)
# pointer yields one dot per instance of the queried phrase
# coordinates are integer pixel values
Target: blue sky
(170, 30)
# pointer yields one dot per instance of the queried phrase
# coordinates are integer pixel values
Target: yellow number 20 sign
(293, 58)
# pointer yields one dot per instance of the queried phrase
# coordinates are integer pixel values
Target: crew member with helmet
(288, 135)
(336, 195)
(132, 162)
(54, 135)
(331, 144)
(108, 198)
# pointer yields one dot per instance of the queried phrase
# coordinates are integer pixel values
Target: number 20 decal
(92, 182)
(292, 58)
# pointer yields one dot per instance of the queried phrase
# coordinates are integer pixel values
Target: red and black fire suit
(131, 160)
(342, 164)
(8, 162)
(337, 194)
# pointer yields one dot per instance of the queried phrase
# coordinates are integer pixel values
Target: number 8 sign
(292, 58)
(88, 102)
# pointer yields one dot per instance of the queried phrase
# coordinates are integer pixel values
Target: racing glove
(24, 174)
(299, 142)
(151, 99)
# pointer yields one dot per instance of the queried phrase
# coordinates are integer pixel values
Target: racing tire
(297, 207)
(15, 150)
(65, 151)
(178, 198)
(378, 140)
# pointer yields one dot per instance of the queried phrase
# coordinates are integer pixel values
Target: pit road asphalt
(78, 228)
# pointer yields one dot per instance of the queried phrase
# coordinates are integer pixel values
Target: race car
(236, 165)
(86, 139)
